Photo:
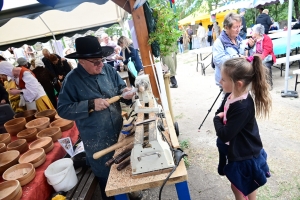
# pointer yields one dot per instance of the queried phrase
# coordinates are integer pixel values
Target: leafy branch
(165, 33)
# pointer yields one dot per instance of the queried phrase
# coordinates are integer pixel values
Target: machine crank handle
(148, 154)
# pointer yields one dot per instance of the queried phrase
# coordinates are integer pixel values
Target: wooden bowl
(28, 114)
(57, 117)
(48, 149)
(14, 126)
(5, 138)
(63, 124)
(46, 113)
(32, 156)
(54, 133)
(10, 190)
(8, 159)
(23, 172)
(40, 162)
(27, 134)
(44, 142)
(19, 145)
(19, 195)
(39, 124)
(2, 147)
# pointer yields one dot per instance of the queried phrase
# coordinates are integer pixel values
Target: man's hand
(100, 104)
(251, 42)
(221, 115)
(14, 91)
(127, 94)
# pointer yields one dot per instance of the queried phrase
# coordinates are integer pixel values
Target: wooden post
(141, 31)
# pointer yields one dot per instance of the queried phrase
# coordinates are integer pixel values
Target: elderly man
(83, 98)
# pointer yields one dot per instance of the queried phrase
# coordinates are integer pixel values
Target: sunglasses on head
(98, 62)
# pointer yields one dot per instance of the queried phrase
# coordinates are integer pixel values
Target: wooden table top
(121, 182)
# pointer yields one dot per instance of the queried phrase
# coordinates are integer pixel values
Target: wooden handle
(103, 152)
(123, 165)
(113, 99)
(123, 157)
(110, 101)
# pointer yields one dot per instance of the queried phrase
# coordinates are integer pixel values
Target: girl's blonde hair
(254, 75)
(125, 41)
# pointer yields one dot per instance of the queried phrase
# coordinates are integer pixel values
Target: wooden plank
(72, 191)
(123, 4)
(120, 182)
(141, 31)
(81, 184)
(89, 187)
(171, 130)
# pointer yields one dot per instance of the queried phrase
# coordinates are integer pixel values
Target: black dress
(45, 77)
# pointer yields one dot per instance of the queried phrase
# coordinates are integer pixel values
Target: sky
(8, 4)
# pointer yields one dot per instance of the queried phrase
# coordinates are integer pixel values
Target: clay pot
(39, 123)
(8, 159)
(28, 114)
(45, 142)
(2, 147)
(5, 138)
(19, 145)
(54, 133)
(10, 190)
(46, 113)
(23, 172)
(14, 126)
(27, 134)
(63, 124)
(34, 156)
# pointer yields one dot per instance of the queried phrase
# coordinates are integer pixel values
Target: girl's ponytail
(260, 88)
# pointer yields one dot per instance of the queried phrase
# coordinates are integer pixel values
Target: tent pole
(52, 35)
(287, 93)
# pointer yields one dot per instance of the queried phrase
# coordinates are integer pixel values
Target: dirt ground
(280, 136)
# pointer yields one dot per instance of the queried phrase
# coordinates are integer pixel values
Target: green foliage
(184, 144)
(114, 30)
(165, 33)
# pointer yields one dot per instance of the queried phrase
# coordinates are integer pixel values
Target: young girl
(235, 123)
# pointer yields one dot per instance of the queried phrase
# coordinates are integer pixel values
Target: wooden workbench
(121, 182)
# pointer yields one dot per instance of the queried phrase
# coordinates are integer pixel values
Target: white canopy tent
(86, 15)
(233, 6)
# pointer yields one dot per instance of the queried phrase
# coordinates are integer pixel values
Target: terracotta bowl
(10, 190)
(14, 126)
(28, 114)
(44, 142)
(8, 159)
(19, 145)
(46, 113)
(2, 147)
(39, 124)
(63, 124)
(32, 156)
(27, 134)
(23, 172)
(5, 138)
(54, 133)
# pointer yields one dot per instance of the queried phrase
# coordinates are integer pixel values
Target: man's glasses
(98, 62)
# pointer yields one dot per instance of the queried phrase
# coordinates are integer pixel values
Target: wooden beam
(123, 4)
(141, 31)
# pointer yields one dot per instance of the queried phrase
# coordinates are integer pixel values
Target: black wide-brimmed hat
(89, 47)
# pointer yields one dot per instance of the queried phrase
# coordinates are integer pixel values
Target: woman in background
(129, 52)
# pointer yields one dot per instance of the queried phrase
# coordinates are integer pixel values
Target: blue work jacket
(99, 129)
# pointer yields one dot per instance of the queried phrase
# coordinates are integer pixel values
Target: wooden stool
(297, 72)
